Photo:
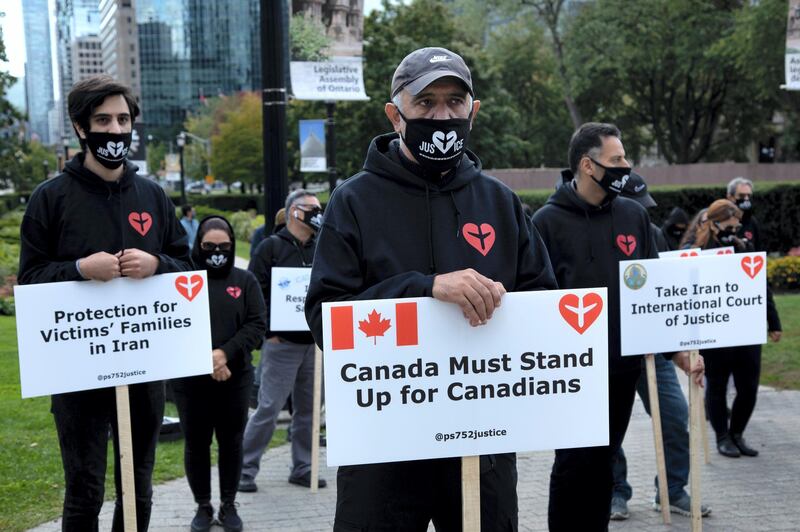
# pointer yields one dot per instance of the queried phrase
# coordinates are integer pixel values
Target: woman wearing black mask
(718, 227)
(217, 403)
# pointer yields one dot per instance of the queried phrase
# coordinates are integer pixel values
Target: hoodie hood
(96, 184)
(197, 259)
(676, 216)
(384, 159)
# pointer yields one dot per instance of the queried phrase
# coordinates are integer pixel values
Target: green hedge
(783, 273)
(776, 206)
(223, 202)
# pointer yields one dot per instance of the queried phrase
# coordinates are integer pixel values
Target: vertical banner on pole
(312, 146)
(792, 61)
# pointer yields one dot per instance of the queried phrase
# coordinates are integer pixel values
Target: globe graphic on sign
(635, 276)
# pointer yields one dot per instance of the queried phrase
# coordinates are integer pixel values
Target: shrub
(7, 306)
(783, 273)
(243, 225)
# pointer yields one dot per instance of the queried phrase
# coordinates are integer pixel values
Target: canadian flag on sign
(345, 327)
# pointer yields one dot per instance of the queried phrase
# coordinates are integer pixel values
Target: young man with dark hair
(588, 229)
(99, 221)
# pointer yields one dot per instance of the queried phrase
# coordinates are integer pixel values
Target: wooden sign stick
(315, 419)
(471, 493)
(655, 416)
(695, 436)
(704, 421)
(126, 458)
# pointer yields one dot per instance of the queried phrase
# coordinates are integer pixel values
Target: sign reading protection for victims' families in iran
(409, 379)
(82, 335)
(287, 299)
(699, 302)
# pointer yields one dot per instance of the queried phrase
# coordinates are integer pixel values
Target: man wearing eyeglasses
(287, 358)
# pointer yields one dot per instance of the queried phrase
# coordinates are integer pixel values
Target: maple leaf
(374, 326)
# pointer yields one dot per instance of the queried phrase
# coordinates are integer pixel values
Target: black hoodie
(586, 244)
(387, 232)
(676, 216)
(77, 213)
(237, 308)
(284, 250)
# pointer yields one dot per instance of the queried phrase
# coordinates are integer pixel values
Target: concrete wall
(684, 174)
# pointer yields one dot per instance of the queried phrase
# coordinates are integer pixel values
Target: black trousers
(582, 479)
(744, 363)
(406, 496)
(208, 408)
(83, 421)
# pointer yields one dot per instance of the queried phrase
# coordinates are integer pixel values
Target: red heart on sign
(724, 252)
(752, 265)
(140, 221)
(689, 254)
(481, 238)
(626, 243)
(189, 288)
(234, 291)
(579, 313)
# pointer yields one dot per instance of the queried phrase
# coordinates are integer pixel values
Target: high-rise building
(74, 19)
(119, 38)
(87, 57)
(343, 21)
(38, 69)
(191, 50)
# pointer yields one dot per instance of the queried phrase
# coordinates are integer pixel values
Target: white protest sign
(409, 379)
(691, 252)
(703, 303)
(81, 335)
(695, 252)
(342, 79)
(287, 299)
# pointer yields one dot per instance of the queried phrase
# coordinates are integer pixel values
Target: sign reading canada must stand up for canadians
(702, 302)
(287, 299)
(81, 335)
(409, 379)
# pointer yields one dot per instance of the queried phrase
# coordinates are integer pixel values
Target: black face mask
(437, 145)
(613, 180)
(110, 149)
(217, 262)
(677, 233)
(726, 235)
(312, 218)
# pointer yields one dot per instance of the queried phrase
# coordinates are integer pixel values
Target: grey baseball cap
(636, 189)
(422, 67)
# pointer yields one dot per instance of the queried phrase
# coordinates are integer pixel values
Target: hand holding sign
(477, 295)
(682, 359)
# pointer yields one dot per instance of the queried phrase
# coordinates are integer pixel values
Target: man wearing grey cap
(422, 219)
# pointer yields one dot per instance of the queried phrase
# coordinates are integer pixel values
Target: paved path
(746, 494)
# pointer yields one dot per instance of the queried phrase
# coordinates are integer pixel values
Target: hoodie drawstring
(458, 213)
(432, 264)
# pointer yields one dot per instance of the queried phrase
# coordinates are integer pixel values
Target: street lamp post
(46, 165)
(65, 143)
(181, 143)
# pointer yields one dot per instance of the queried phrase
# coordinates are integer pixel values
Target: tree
(236, 148)
(307, 39)
(663, 71)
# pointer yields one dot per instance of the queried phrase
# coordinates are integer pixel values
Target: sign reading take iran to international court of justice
(409, 379)
(703, 302)
(81, 335)
(287, 299)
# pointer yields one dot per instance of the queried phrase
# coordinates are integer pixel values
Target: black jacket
(677, 216)
(586, 244)
(76, 214)
(387, 232)
(284, 250)
(237, 310)
(751, 230)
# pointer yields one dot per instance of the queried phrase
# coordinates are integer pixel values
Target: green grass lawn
(243, 249)
(780, 364)
(31, 478)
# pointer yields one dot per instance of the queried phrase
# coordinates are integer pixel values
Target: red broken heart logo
(481, 238)
(689, 254)
(626, 243)
(234, 291)
(140, 221)
(189, 287)
(579, 313)
(752, 265)
(724, 252)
